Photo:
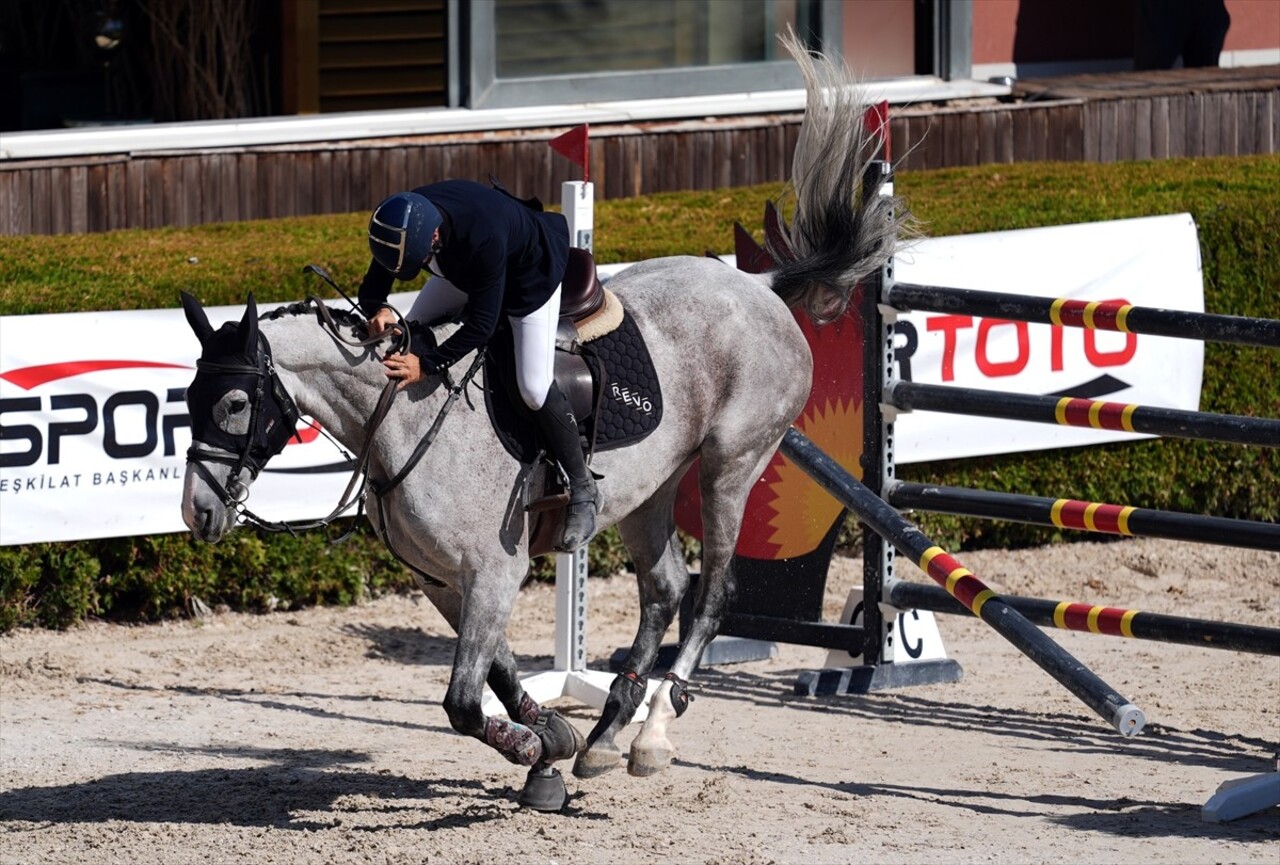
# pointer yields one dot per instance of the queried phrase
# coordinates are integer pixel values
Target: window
(530, 52)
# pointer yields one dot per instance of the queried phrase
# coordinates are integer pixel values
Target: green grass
(220, 263)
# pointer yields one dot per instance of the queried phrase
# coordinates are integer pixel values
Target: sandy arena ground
(318, 736)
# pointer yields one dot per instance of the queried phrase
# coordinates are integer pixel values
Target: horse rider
(489, 255)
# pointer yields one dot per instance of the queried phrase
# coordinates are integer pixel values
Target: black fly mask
(241, 414)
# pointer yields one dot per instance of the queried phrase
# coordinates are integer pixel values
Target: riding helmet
(400, 233)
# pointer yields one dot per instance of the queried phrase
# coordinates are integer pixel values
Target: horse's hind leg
(662, 578)
(725, 482)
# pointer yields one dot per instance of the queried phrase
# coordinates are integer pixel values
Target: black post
(877, 436)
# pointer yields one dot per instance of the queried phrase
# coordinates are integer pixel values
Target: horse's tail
(840, 232)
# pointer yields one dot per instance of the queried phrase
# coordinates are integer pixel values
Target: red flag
(573, 146)
(877, 120)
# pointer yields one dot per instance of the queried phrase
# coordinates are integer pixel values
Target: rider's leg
(534, 336)
(535, 342)
(438, 298)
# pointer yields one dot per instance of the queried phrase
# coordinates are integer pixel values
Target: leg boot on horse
(544, 788)
(559, 429)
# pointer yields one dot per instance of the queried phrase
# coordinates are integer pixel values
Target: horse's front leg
(531, 735)
(504, 676)
(662, 579)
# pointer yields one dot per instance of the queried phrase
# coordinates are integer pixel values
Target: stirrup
(551, 501)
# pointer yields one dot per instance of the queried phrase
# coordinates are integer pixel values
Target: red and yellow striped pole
(1098, 619)
(908, 540)
(1091, 516)
(1096, 414)
(1094, 619)
(958, 580)
(1114, 315)
(1083, 515)
(1094, 315)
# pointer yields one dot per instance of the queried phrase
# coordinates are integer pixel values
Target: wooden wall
(182, 188)
(1160, 127)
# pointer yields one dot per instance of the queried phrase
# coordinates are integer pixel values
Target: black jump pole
(1088, 413)
(1125, 717)
(1084, 516)
(1094, 315)
(1096, 619)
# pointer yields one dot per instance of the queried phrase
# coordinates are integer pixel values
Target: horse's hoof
(594, 762)
(544, 790)
(644, 762)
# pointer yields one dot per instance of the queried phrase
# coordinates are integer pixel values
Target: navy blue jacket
(507, 257)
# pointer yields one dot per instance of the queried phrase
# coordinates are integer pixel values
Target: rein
(235, 494)
(354, 494)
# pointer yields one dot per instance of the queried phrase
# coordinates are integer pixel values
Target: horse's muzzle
(204, 513)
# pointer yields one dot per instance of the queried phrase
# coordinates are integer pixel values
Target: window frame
(475, 69)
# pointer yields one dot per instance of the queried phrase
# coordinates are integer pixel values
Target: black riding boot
(559, 430)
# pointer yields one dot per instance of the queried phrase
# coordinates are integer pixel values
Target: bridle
(260, 446)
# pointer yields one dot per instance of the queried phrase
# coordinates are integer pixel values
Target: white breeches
(534, 334)
(439, 297)
(535, 341)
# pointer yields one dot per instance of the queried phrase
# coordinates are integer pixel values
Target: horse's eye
(238, 405)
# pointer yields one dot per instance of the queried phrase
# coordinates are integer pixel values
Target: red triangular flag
(573, 146)
(877, 120)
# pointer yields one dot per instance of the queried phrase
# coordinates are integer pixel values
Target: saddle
(601, 365)
(587, 312)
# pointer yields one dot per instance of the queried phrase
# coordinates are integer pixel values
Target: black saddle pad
(629, 409)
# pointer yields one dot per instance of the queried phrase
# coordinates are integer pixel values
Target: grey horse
(735, 371)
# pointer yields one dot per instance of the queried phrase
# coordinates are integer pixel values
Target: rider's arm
(484, 283)
(375, 288)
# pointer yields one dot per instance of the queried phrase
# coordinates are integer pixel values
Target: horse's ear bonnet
(249, 329)
(241, 339)
(196, 317)
(400, 233)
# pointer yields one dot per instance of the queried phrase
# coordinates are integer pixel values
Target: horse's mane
(339, 314)
(423, 334)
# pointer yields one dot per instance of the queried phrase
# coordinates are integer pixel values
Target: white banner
(1153, 262)
(94, 431)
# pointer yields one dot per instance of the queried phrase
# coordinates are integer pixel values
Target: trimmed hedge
(1236, 207)
(1234, 202)
(166, 576)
